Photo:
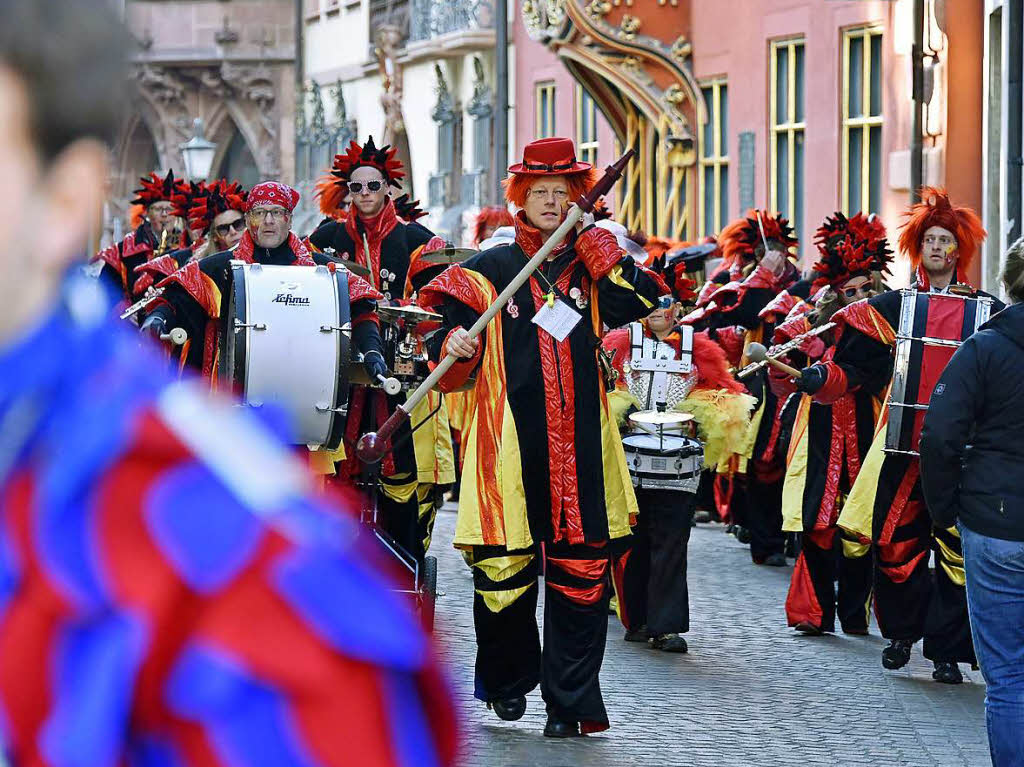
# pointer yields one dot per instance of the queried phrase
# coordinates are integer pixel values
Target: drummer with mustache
(650, 577)
(193, 296)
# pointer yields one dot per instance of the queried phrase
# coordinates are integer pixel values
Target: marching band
(589, 390)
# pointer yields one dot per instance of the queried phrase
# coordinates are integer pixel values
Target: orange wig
(330, 194)
(517, 185)
(935, 209)
(493, 217)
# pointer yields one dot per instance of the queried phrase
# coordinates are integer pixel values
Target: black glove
(155, 325)
(812, 379)
(374, 364)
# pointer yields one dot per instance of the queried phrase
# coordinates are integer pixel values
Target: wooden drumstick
(758, 353)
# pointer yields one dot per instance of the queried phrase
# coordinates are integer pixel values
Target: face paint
(949, 251)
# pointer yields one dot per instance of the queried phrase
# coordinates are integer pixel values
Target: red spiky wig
(850, 247)
(367, 156)
(517, 185)
(739, 239)
(185, 194)
(491, 217)
(155, 189)
(935, 209)
(408, 210)
(220, 196)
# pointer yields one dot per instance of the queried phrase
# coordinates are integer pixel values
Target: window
(586, 126)
(786, 142)
(714, 159)
(861, 149)
(545, 106)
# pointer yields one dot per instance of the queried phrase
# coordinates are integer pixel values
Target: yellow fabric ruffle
(723, 422)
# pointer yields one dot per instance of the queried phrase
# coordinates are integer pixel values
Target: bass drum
(286, 341)
(664, 462)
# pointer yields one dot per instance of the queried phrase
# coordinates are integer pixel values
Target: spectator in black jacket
(972, 471)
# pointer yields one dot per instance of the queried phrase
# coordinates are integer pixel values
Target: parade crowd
(161, 551)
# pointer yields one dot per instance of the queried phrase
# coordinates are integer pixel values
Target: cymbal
(407, 313)
(660, 418)
(357, 269)
(447, 255)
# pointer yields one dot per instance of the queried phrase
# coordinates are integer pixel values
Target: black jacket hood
(1009, 322)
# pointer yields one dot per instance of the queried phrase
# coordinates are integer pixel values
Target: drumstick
(758, 353)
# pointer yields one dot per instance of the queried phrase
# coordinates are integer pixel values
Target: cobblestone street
(750, 691)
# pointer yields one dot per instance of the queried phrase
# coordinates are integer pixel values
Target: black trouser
(911, 601)
(509, 659)
(827, 556)
(653, 590)
(400, 520)
(764, 517)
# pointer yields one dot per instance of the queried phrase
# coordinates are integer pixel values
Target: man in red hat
(152, 238)
(544, 463)
(192, 294)
(886, 503)
(373, 236)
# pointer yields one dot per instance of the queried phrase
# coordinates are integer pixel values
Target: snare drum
(286, 340)
(664, 462)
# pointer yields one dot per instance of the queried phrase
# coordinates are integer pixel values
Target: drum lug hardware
(331, 328)
(322, 408)
(254, 325)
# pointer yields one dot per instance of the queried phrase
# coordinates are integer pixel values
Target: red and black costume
(383, 244)
(544, 462)
(195, 295)
(141, 245)
(886, 503)
(828, 444)
(739, 319)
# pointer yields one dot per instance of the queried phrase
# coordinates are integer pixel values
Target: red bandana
(245, 248)
(272, 193)
(376, 228)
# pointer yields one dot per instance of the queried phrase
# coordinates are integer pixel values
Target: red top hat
(549, 157)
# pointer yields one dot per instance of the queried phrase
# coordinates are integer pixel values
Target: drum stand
(424, 574)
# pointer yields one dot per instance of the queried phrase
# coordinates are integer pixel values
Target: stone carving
(388, 45)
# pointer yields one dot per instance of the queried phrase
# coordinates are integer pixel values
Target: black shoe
(742, 534)
(639, 635)
(772, 560)
(558, 729)
(947, 673)
(669, 643)
(730, 529)
(702, 516)
(897, 654)
(509, 709)
(804, 627)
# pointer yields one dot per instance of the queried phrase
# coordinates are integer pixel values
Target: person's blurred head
(1013, 272)
(56, 116)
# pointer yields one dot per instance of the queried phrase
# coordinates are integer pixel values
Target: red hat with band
(549, 157)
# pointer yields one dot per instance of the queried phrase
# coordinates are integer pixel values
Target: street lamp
(198, 153)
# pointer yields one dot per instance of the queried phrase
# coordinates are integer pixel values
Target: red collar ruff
(376, 228)
(529, 237)
(246, 246)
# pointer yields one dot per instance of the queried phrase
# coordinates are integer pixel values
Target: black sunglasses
(851, 292)
(355, 187)
(238, 225)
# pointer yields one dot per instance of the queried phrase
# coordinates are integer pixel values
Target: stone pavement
(750, 691)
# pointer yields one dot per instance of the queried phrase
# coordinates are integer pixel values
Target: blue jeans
(995, 601)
